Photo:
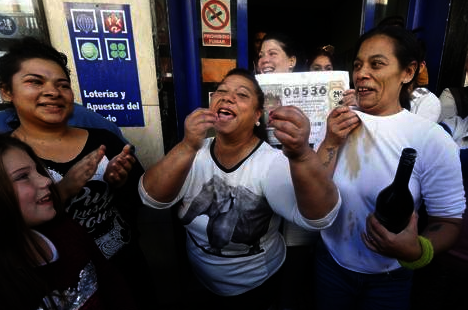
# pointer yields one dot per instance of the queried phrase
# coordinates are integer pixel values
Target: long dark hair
(20, 285)
(407, 50)
(259, 131)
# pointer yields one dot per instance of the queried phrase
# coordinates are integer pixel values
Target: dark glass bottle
(395, 204)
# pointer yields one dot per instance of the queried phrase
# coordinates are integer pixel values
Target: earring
(257, 123)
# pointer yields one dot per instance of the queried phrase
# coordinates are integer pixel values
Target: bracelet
(426, 256)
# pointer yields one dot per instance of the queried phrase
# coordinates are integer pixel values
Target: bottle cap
(408, 155)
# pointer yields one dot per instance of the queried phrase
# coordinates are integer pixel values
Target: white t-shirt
(367, 163)
(448, 105)
(232, 217)
(425, 104)
(459, 129)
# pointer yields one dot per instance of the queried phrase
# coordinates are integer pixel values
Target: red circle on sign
(207, 8)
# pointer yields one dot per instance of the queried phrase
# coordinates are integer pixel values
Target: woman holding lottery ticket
(360, 264)
(279, 53)
(232, 190)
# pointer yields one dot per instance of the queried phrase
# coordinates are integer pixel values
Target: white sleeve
(441, 181)
(151, 202)
(448, 106)
(428, 106)
(148, 200)
(279, 192)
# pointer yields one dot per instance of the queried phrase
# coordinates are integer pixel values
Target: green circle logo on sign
(89, 51)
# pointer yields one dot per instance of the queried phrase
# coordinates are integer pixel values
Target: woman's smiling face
(236, 104)
(273, 59)
(41, 92)
(31, 188)
(378, 76)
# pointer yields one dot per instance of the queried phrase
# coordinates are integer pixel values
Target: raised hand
(340, 122)
(197, 124)
(292, 129)
(74, 180)
(349, 98)
(119, 167)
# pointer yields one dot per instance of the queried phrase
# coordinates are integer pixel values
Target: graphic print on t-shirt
(238, 218)
(93, 209)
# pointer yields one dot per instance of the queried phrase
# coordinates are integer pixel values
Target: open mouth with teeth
(364, 90)
(225, 114)
(268, 70)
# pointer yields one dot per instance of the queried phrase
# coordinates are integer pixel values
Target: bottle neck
(404, 171)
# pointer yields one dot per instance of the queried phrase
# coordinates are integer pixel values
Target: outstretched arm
(316, 194)
(164, 180)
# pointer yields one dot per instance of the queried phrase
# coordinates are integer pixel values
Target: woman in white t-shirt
(360, 264)
(232, 190)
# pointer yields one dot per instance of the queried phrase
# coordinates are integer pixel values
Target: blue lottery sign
(104, 52)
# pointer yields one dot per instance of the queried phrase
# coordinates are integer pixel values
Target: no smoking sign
(216, 22)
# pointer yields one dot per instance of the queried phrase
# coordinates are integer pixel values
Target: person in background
(453, 101)
(48, 261)
(96, 173)
(258, 38)
(232, 190)
(279, 54)
(443, 283)
(255, 49)
(423, 102)
(81, 117)
(359, 263)
(321, 59)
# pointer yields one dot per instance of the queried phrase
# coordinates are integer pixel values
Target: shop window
(20, 18)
